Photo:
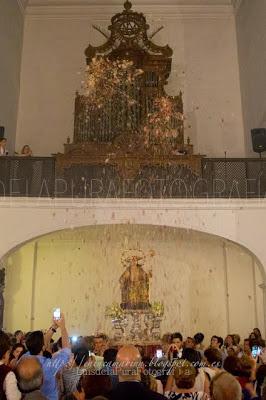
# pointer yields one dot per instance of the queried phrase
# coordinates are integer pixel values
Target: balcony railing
(27, 177)
(235, 177)
(219, 178)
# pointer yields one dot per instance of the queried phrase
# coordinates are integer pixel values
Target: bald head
(224, 386)
(128, 361)
(129, 354)
(29, 374)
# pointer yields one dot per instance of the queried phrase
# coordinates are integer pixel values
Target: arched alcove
(201, 278)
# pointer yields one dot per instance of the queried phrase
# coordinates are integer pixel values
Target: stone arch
(206, 231)
(85, 225)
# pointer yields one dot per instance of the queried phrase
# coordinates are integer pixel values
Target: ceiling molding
(119, 3)
(102, 12)
(236, 5)
(22, 5)
(132, 204)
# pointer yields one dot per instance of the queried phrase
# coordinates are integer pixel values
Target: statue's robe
(135, 289)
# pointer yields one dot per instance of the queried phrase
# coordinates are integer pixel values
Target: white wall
(251, 34)
(205, 67)
(240, 221)
(11, 37)
(193, 274)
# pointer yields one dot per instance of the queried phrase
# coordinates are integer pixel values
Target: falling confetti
(159, 125)
(106, 80)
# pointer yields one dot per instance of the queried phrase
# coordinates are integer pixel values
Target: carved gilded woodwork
(114, 137)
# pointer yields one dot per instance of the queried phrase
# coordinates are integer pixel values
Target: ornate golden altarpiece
(112, 136)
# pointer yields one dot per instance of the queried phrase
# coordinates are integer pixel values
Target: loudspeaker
(258, 139)
(2, 132)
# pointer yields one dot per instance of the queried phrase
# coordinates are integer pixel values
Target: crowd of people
(34, 366)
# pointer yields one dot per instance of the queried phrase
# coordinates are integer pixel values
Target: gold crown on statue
(130, 254)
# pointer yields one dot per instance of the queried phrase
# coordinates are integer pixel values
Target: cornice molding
(119, 3)
(102, 12)
(134, 204)
(22, 5)
(236, 5)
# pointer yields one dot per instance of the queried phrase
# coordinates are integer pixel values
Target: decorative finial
(127, 5)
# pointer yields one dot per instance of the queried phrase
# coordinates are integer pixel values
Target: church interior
(132, 198)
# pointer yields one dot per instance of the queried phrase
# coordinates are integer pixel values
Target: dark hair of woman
(109, 355)
(232, 364)
(199, 337)
(95, 385)
(214, 357)
(15, 347)
(193, 356)
(257, 332)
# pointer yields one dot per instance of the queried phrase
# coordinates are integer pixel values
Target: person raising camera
(37, 343)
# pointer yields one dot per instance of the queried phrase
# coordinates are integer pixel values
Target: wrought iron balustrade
(219, 178)
(234, 177)
(27, 176)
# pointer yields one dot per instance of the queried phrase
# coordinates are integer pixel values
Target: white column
(263, 287)
(226, 288)
(33, 291)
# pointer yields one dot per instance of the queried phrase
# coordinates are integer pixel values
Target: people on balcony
(26, 151)
(3, 150)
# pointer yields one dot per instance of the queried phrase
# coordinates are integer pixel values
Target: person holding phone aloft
(37, 343)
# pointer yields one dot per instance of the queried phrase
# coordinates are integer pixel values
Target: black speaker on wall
(2, 132)
(258, 139)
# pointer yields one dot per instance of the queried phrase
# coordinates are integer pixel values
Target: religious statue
(136, 320)
(134, 284)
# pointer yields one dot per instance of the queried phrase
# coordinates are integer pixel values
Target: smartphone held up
(159, 353)
(256, 351)
(57, 314)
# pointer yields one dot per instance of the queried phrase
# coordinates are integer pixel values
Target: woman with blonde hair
(224, 386)
(26, 151)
